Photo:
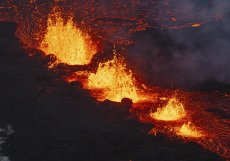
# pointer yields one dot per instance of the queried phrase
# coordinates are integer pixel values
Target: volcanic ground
(114, 80)
(53, 120)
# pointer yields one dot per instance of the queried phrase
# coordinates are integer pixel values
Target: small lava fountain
(67, 42)
(173, 110)
(114, 79)
(189, 130)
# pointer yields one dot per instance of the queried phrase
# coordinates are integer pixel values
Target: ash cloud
(186, 57)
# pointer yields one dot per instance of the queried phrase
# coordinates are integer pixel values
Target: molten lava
(196, 25)
(189, 130)
(67, 42)
(114, 79)
(174, 110)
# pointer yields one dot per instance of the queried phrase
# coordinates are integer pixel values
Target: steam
(189, 56)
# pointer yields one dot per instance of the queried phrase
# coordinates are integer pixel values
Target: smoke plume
(189, 56)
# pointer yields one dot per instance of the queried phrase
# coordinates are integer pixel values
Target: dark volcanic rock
(7, 29)
(127, 101)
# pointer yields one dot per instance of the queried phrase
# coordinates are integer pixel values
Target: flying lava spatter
(66, 41)
(189, 130)
(73, 46)
(114, 79)
(173, 110)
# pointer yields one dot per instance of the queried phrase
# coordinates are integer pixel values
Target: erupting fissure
(114, 79)
(67, 42)
(173, 110)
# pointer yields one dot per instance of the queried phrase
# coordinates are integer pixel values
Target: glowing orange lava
(196, 25)
(174, 110)
(67, 42)
(189, 130)
(114, 79)
(72, 45)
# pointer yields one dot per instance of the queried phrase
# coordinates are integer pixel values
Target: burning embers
(67, 42)
(114, 79)
(173, 110)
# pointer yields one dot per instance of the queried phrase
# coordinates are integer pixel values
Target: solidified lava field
(82, 81)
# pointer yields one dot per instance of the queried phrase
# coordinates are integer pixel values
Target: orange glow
(174, 110)
(76, 76)
(67, 42)
(71, 43)
(189, 130)
(196, 25)
(114, 79)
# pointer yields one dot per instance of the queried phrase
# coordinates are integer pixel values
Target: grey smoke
(186, 57)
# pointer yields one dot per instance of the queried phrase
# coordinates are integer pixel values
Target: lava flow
(210, 130)
(173, 110)
(189, 130)
(114, 79)
(67, 42)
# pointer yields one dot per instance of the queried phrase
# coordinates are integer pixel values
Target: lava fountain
(189, 130)
(173, 110)
(114, 79)
(67, 42)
